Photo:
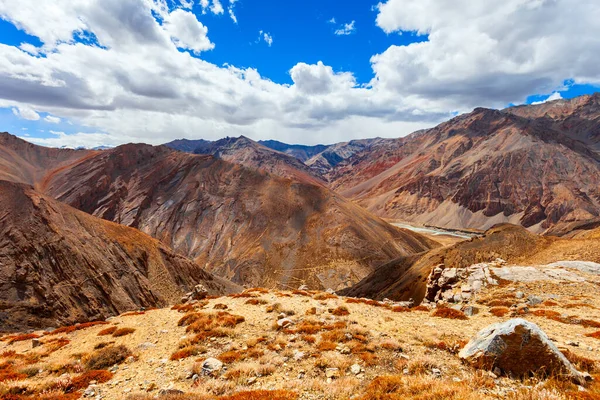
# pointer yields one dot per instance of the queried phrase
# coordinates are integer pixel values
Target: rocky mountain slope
(59, 265)
(239, 223)
(25, 162)
(536, 166)
(407, 277)
(301, 152)
(251, 154)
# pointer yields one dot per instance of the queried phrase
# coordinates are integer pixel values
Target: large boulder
(519, 347)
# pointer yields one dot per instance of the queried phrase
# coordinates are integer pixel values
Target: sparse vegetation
(107, 357)
(123, 332)
(499, 311)
(341, 311)
(107, 331)
(449, 313)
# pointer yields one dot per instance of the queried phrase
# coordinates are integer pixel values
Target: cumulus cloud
(135, 83)
(25, 112)
(346, 29)
(320, 79)
(52, 119)
(488, 53)
(187, 32)
(552, 97)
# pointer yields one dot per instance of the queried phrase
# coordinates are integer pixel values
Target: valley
(236, 269)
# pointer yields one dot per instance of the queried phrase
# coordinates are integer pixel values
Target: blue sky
(305, 71)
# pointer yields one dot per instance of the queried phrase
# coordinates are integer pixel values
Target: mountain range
(537, 166)
(90, 233)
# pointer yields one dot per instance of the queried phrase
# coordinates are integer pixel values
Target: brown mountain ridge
(536, 166)
(59, 265)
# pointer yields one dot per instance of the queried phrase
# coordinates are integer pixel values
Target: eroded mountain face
(536, 166)
(240, 223)
(59, 265)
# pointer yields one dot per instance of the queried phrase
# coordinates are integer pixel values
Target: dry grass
(341, 311)
(107, 331)
(256, 302)
(123, 332)
(83, 381)
(449, 313)
(262, 395)
(421, 308)
(187, 351)
(73, 328)
(595, 335)
(107, 357)
(183, 308)
(499, 311)
(580, 305)
(324, 296)
(20, 338)
(581, 363)
(133, 313)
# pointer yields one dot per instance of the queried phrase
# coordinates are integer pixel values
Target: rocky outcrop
(456, 273)
(518, 348)
(60, 266)
(455, 285)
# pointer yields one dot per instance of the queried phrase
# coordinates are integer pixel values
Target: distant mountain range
(537, 166)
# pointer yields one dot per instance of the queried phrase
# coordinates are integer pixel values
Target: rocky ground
(266, 344)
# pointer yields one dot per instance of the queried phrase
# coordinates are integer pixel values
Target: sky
(103, 73)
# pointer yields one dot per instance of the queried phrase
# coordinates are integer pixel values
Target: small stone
(470, 311)
(332, 373)
(251, 380)
(298, 355)
(284, 322)
(519, 295)
(534, 300)
(572, 343)
(36, 343)
(211, 366)
(355, 369)
(303, 287)
(436, 372)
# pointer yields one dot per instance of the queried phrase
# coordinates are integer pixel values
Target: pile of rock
(457, 285)
(199, 293)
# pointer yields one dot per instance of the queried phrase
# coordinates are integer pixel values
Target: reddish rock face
(59, 265)
(537, 166)
(240, 223)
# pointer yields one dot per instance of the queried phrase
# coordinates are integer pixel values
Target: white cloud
(552, 97)
(262, 35)
(187, 32)
(231, 12)
(52, 119)
(332, 20)
(320, 79)
(216, 7)
(137, 86)
(488, 53)
(346, 29)
(25, 112)
(76, 140)
(187, 4)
